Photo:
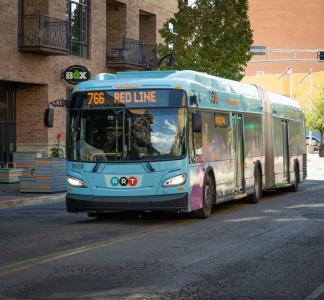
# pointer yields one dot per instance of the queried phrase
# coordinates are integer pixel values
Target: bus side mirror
(196, 122)
(49, 117)
(193, 99)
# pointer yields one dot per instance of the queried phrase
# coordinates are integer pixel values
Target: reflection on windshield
(127, 134)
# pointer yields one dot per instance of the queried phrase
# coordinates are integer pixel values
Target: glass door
(7, 125)
(239, 151)
(285, 151)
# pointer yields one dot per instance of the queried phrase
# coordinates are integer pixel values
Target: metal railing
(152, 57)
(285, 55)
(126, 51)
(43, 31)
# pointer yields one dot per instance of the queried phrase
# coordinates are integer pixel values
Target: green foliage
(56, 152)
(213, 36)
(315, 118)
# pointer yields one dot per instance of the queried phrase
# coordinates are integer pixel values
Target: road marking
(317, 293)
(23, 265)
(29, 263)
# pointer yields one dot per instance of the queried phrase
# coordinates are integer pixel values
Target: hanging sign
(76, 74)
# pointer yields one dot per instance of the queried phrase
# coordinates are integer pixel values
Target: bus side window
(195, 143)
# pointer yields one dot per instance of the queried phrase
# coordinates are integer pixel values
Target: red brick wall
(116, 20)
(31, 103)
(287, 24)
(147, 28)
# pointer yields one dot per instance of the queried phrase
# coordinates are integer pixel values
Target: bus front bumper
(85, 203)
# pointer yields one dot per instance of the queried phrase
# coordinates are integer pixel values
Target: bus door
(284, 126)
(239, 152)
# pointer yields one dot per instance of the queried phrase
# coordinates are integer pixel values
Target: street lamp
(288, 71)
(172, 61)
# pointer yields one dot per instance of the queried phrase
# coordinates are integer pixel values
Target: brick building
(41, 38)
(287, 25)
(291, 31)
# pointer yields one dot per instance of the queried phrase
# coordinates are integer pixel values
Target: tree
(315, 118)
(212, 36)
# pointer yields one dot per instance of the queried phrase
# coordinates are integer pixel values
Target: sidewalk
(315, 167)
(10, 196)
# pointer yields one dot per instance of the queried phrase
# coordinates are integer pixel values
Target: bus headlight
(75, 182)
(175, 181)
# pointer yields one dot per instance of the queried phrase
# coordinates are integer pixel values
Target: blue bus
(178, 141)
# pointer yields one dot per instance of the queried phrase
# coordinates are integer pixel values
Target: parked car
(316, 142)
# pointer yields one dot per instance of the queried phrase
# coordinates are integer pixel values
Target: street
(272, 250)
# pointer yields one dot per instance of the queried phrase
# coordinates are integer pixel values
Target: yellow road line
(23, 265)
(29, 263)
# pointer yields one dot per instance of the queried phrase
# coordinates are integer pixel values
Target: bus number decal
(96, 98)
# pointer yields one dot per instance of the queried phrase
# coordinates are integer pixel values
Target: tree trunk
(321, 146)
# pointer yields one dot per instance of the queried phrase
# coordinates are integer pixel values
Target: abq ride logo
(76, 74)
(123, 181)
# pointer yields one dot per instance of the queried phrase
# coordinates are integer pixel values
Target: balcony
(126, 53)
(43, 34)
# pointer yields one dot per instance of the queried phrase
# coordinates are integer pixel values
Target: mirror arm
(58, 103)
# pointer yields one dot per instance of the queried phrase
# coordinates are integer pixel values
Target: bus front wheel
(208, 198)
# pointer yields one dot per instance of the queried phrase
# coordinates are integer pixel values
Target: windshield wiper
(98, 163)
(143, 158)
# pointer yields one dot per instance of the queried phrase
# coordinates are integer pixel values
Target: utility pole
(288, 71)
(290, 74)
(309, 76)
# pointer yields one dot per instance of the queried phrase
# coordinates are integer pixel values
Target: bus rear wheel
(257, 194)
(208, 198)
(294, 187)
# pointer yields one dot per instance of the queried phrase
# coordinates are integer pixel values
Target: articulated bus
(178, 141)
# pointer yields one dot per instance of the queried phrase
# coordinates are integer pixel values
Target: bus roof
(280, 99)
(245, 96)
(168, 79)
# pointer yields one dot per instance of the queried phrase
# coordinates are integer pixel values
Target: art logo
(123, 181)
(76, 74)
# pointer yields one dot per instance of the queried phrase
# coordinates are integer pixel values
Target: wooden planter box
(49, 177)
(11, 175)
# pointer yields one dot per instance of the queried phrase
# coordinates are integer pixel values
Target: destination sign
(135, 97)
(129, 98)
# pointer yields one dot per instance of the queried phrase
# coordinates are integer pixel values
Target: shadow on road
(149, 218)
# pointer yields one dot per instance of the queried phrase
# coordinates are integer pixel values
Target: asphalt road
(272, 250)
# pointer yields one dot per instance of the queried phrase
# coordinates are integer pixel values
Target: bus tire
(208, 198)
(257, 193)
(294, 187)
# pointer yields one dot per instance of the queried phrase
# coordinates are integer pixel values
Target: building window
(78, 16)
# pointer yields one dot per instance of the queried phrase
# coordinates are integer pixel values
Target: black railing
(152, 57)
(122, 51)
(37, 31)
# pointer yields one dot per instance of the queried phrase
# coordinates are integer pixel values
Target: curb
(33, 200)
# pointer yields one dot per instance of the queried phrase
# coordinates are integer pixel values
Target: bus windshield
(126, 134)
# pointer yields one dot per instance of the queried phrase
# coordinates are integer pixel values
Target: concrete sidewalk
(315, 167)
(10, 196)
